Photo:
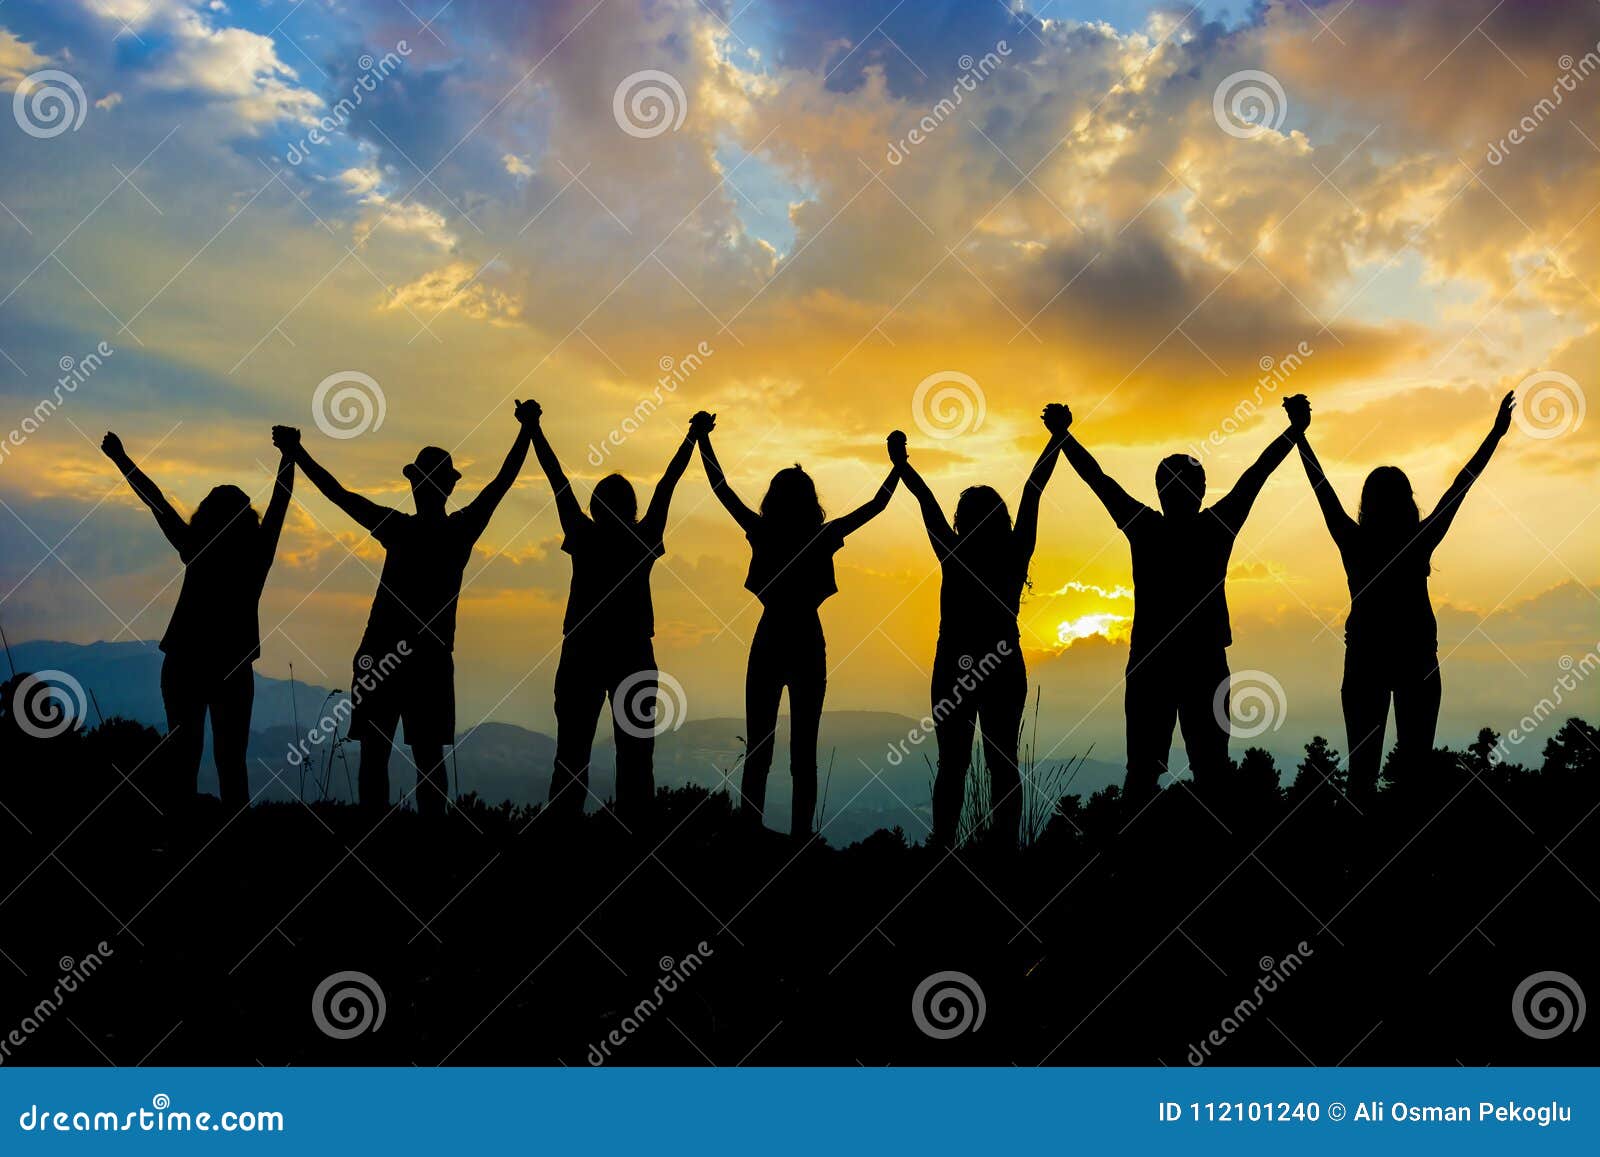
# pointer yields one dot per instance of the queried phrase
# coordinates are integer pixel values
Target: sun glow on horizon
(1108, 625)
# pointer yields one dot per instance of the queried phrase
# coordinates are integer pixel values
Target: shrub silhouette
(226, 924)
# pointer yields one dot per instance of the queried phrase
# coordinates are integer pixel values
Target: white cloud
(362, 181)
(460, 287)
(231, 66)
(17, 58)
(411, 218)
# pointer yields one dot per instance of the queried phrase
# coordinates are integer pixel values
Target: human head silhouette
(225, 516)
(432, 476)
(1388, 507)
(981, 515)
(613, 503)
(1180, 485)
(791, 500)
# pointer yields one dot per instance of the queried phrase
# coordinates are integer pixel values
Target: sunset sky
(1095, 221)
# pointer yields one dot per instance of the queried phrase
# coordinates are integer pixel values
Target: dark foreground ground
(1398, 936)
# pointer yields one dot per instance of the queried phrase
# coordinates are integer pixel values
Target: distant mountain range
(866, 787)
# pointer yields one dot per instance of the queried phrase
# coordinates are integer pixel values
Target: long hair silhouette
(982, 520)
(1391, 635)
(790, 504)
(226, 519)
(1388, 514)
(606, 647)
(979, 676)
(214, 636)
(792, 546)
(614, 505)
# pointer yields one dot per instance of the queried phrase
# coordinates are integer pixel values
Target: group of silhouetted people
(1177, 671)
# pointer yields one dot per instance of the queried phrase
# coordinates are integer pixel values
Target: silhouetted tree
(1573, 750)
(1320, 772)
(1257, 775)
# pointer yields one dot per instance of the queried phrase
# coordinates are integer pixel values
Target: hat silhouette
(432, 464)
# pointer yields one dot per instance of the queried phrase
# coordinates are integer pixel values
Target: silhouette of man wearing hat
(404, 668)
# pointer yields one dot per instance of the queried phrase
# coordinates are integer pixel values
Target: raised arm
(277, 509)
(1234, 507)
(567, 508)
(1340, 525)
(365, 511)
(482, 508)
(742, 514)
(1438, 522)
(169, 520)
(940, 533)
(1057, 419)
(1121, 505)
(847, 524)
(654, 522)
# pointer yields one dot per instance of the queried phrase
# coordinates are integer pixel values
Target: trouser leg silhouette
(580, 696)
(1203, 719)
(807, 688)
(1002, 699)
(1364, 695)
(231, 708)
(633, 724)
(763, 691)
(372, 781)
(784, 654)
(1416, 715)
(1151, 706)
(956, 721)
(376, 709)
(433, 783)
(186, 736)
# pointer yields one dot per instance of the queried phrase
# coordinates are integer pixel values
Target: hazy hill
(867, 788)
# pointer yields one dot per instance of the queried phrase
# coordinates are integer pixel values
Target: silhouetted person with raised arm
(214, 636)
(1178, 654)
(404, 669)
(606, 649)
(1391, 637)
(792, 546)
(979, 677)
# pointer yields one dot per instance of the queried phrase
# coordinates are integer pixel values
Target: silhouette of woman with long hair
(404, 669)
(979, 677)
(792, 545)
(214, 636)
(606, 648)
(1391, 636)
